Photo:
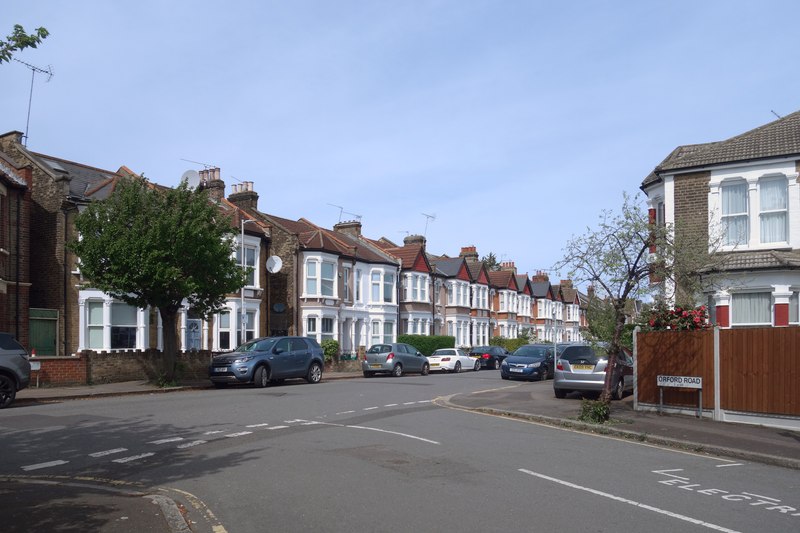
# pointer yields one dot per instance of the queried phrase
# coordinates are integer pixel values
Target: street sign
(688, 382)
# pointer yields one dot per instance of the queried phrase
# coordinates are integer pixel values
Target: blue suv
(268, 359)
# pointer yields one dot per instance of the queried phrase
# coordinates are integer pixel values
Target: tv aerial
(34, 70)
(428, 218)
(342, 211)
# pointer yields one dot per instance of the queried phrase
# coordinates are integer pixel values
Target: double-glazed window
(320, 278)
(327, 328)
(347, 284)
(388, 331)
(311, 327)
(249, 264)
(225, 330)
(794, 308)
(122, 325)
(774, 215)
(751, 308)
(734, 213)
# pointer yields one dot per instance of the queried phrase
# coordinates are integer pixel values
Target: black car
(269, 359)
(531, 361)
(490, 356)
(15, 370)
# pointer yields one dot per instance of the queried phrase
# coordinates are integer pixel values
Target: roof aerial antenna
(357, 217)
(206, 166)
(774, 113)
(34, 70)
(341, 210)
(428, 218)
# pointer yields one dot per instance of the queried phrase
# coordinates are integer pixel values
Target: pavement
(126, 509)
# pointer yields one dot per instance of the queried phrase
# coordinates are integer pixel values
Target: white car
(452, 360)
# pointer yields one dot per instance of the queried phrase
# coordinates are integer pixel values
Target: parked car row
(576, 367)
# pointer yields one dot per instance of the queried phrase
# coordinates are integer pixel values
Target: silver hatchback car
(582, 367)
(394, 358)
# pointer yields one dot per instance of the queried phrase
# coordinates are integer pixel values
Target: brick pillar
(782, 295)
(781, 314)
(723, 316)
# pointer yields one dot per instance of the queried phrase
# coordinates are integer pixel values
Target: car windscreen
(261, 345)
(538, 352)
(480, 349)
(380, 348)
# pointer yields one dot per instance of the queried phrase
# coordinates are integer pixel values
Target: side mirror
(278, 351)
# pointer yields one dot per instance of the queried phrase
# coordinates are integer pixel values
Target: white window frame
(734, 311)
(763, 213)
(311, 327)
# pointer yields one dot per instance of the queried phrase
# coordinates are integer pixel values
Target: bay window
(750, 308)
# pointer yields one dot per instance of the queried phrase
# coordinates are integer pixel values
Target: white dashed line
(212, 432)
(191, 444)
(43, 465)
(370, 408)
(390, 405)
(133, 457)
(108, 452)
(164, 441)
(278, 427)
(312, 423)
(409, 403)
(730, 464)
(239, 434)
(294, 421)
(256, 425)
(394, 433)
(425, 401)
(631, 502)
(345, 412)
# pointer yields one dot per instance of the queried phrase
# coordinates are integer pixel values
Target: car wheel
(543, 374)
(477, 366)
(497, 364)
(457, 368)
(261, 378)
(504, 377)
(618, 391)
(560, 393)
(220, 385)
(367, 374)
(426, 369)
(397, 371)
(8, 391)
(314, 374)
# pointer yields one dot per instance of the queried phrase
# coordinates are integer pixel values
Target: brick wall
(92, 368)
(691, 218)
(283, 285)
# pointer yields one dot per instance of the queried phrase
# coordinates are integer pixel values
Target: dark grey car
(269, 359)
(394, 358)
(15, 369)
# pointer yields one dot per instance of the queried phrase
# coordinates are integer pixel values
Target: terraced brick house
(15, 315)
(525, 305)
(740, 199)
(506, 300)
(456, 280)
(481, 325)
(545, 308)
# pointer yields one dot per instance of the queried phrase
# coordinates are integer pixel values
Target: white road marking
(666, 473)
(191, 444)
(409, 403)
(44, 465)
(257, 425)
(345, 412)
(278, 427)
(730, 464)
(312, 423)
(395, 433)
(390, 405)
(631, 502)
(425, 401)
(369, 408)
(108, 452)
(164, 441)
(239, 434)
(212, 432)
(294, 421)
(133, 457)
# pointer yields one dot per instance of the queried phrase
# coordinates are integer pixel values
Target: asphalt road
(383, 454)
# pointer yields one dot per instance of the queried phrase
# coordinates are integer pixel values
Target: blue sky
(514, 123)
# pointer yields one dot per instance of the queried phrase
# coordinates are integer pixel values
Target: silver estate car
(15, 369)
(394, 358)
(582, 367)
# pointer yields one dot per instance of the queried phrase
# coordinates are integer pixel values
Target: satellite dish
(274, 264)
(192, 178)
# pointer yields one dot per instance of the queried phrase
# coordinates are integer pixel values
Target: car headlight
(504, 363)
(534, 365)
(244, 359)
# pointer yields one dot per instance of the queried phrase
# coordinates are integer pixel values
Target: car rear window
(380, 348)
(7, 342)
(444, 352)
(585, 354)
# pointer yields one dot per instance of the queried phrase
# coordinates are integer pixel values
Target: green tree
(156, 247)
(19, 40)
(616, 259)
(490, 262)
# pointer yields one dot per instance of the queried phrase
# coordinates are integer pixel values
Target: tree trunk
(169, 322)
(613, 350)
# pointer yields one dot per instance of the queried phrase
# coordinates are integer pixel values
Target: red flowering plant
(680, 318)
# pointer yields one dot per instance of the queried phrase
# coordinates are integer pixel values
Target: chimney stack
(540, 276)
(470, 253)
(349, 227)
(508, 266)
(414, 239)
(243, 196)
(210, 180)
